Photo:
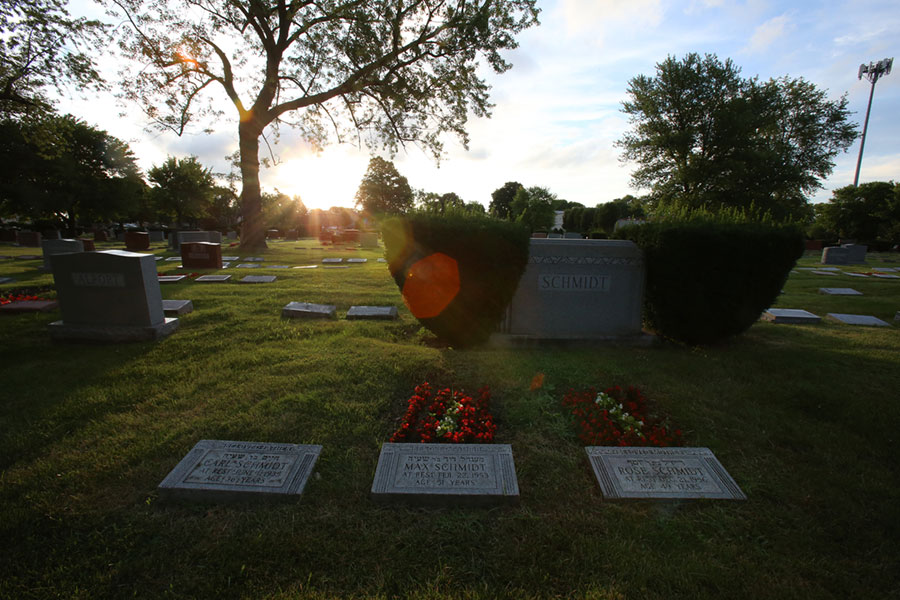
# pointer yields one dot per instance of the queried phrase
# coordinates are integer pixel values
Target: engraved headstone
(157, 236)
(378, 313)
(867, 320)
(790, 315)
(626, 472)
(446, 474)
(839, 292)
(258, 279)
(137, 240)
(219, 470)
(278, 266)
(578, 289)
(201, 255)
(51, 247)
(173, 259)
(306, 310)
(112, 295)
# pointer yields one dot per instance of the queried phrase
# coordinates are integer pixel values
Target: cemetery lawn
(804, 417)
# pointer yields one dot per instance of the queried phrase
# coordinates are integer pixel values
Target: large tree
(385, 71)
(867, 213)
(502, 198)
(383, 189)
(61, 168)
(41, 47)
(703, 136)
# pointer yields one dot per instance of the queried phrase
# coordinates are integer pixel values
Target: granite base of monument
(446, 475)
(112, 333)
(644, 473)
(227, 471)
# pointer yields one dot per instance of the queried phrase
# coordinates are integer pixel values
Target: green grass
(805, 418)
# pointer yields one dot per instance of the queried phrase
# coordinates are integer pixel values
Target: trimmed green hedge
(708, 281)
(491, 256)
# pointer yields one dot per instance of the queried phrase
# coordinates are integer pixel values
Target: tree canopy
(182, 190)
(502, 198)
(703, 136)
(533, 207)
(383, 189)
(384, 72)
(42, 47)
(867, 213)
(60, 168)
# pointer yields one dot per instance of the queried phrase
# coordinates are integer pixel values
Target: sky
(558, 111)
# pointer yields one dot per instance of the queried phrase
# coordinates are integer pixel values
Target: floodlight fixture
(873, 72)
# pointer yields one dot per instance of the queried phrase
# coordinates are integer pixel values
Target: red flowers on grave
(616, 418)
(12, 297)
(446, 416)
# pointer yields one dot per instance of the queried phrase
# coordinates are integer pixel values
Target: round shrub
(707, 281)
(458, 273)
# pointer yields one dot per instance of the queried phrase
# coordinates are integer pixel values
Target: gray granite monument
(57, 246)
(108, 296)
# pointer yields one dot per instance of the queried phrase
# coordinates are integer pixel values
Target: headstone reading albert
(110, 296)
(626, 472)
(306, 310)
(201, 255)
(51, 247)
(446, 474)
(578, 289)
(793, 316)
(377, 313)
(219, 470)
(867, 320)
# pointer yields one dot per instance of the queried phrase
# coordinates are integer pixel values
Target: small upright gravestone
(157, 236)
(108, 296)
(137, 240)
(28, 238)
(176, 238)
(51, 247)
(201, 255)
(368, 239)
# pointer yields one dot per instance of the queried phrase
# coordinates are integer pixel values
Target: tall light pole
(872, 71)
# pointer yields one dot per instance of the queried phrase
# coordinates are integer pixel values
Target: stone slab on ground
(231, 258)
(277, 267)
(884, 269)
(856, 274)
(885, 276)
(336, 267)
(173, 308)
(331, 260)
(254, 259)
(24, 306)
(213, 278)
(634, 473)
(357, 260)
(29, 257)
(173, 259)
(225, 471)
(307, 310)
(171, 278)
(307, 267)
(249, 266)
(839, 292)
(793, 316)
(867, 320)
(382, 260)
(378, 313)
(259, 279)
(446, 474)
(7, 280)
(117, 333)
(821, 272)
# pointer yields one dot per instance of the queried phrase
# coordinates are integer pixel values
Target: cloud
(768, 33)
(596, 16)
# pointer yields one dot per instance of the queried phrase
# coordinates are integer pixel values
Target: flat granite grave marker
(171, 278)
(213, 278)
(25, 306)
(331, 260)
(336, 267)
(108, 296)
(793, 316)
(306, 310)
(230, 258)
(173, 308)
(307, 267)
(378, 313)
(446, 474)
(258, 279)
(867, 320)
(839, 292)
(625, 472)
(278, 267)
(173, 259)
(357, 260)
(821, 272)
(249, 266)
(219, 470)
(7, 280)
(885, 276)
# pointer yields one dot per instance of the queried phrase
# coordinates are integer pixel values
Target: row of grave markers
(440, 474)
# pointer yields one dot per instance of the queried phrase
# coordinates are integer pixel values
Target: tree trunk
(253, 237)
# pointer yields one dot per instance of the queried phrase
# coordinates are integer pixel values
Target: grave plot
(171, 278)
(221, 471)
(377, 313)
(790, 315)
(307, 310)
(839, 292)
(866, 320)
(173, 308)
(249, 266)
(259, 279)
(446, 474)
(661, 474)
(328, 261)
(213, 278)
(26, 306)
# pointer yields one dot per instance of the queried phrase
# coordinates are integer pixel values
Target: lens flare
(431, 285)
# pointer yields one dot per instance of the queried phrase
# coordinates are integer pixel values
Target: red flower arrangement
(21, 295)
(617, 418)
(448, 416)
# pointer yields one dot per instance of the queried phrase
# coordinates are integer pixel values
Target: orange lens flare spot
(431, 285)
